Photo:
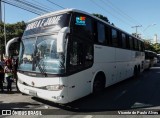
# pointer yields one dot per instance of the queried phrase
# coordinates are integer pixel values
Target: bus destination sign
(44, 22)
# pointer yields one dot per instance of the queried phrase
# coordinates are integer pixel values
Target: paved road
(131, 94)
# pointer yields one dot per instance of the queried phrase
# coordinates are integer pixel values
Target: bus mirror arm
(16, 39)
(60, 39)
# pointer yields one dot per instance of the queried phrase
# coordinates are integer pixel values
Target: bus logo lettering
(44, 22)
(52, 20)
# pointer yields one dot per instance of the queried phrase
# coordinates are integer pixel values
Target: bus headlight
(54, 87)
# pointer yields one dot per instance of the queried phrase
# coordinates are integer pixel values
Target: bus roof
(79, 11)
(57, 12)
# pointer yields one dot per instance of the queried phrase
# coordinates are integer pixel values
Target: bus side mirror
(61, 37)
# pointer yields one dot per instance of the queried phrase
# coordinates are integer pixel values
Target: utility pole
(4, 29)
(155, 40)
(0, 11)
(1, 30)
(137, 26)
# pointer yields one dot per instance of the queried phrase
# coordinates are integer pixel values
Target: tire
(99, 83)
(136, 73)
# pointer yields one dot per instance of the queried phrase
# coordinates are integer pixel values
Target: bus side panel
(104, 59)
(79, 84)
(139, 59)
(124, 64)
(108, 69)
(103, 54)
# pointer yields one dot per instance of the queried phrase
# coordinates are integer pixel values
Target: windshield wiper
(42, 70)
(37, 61)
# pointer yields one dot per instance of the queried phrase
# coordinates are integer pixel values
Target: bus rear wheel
(99, 83)
(136, 72)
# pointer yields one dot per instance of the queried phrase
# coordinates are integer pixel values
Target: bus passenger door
(80, 60)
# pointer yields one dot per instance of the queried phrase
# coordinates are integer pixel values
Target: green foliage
(156, 47)
(153, 47)
(12, 30)
(101, 17)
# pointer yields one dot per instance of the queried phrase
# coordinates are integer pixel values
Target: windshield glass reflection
(40, 55)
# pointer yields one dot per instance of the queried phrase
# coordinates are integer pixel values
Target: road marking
(120, 95)
(88, 116)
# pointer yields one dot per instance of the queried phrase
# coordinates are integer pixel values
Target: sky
(123, 13)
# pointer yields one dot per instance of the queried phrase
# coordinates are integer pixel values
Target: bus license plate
(33, 93)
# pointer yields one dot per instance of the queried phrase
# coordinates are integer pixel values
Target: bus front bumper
(53, 96)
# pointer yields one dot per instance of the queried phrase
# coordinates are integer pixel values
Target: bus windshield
(38, 50)
(39, 54)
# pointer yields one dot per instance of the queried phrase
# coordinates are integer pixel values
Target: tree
(156, 47)
(148, 46)
(12, 30)
(101, 17)
(152, 47)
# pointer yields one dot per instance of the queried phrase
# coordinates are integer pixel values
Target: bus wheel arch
(99, 82)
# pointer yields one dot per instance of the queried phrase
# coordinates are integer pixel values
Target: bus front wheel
(99, 83)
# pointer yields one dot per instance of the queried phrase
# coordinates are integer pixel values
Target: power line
(110, 13)
(23, 6)
(43, 6)
(31, 5)
(28, 6)
(120, 11)
(20, 6)
(56, 4)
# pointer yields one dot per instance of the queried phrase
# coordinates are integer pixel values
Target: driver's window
(81, 55)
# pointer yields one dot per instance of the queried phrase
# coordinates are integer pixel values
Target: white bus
(151, 59)
(68, 54)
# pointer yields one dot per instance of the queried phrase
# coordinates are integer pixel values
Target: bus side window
(131, 43)
(142, 46)
(135, 44)
(101, 33)
(107, 35)
(114, 38)
(124, 40)
(81, 55)
(89, 27)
